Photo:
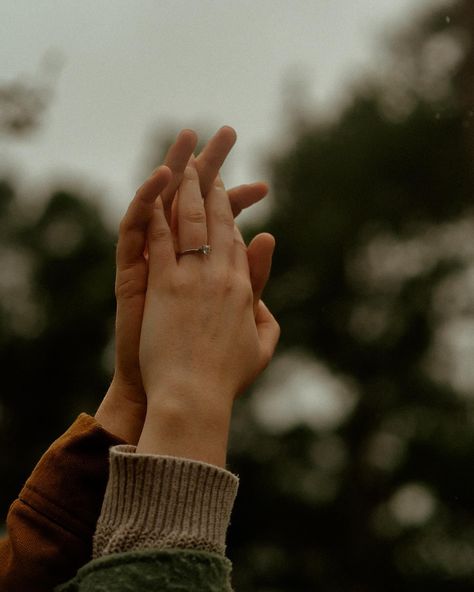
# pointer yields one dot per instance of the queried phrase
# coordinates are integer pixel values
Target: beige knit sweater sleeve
(163, 502)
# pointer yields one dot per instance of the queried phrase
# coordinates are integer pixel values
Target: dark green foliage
(56, 318)
(374, 221)
(364, 209)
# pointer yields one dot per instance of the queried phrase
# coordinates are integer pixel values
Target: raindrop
(448, 19)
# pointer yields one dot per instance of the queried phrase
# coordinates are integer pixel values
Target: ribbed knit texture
(163, 502)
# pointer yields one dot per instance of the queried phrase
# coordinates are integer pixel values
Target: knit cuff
(163, 502)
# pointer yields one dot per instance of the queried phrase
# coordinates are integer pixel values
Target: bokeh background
(355, 447)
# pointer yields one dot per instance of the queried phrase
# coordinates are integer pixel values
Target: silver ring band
(202, 250)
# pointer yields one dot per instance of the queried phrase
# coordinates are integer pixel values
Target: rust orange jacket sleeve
(51, 524)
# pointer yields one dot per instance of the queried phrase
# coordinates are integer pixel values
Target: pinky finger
(243, 196)
(259, 252)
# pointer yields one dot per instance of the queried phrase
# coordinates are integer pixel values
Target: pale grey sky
(131, 66)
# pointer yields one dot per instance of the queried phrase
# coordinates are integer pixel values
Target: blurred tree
(372, 280)
(20, 108)
(23, 102)
(373, 276)
(56, 319)
(56, 299)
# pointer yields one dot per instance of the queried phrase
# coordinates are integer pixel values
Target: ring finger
(192, 227)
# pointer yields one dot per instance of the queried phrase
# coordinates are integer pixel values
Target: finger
(213, 155)
(161, 253)
(220, 222)
(259, 253)
(192, 228)
(241, 261)
(176, 160)
(132, 234)
(268, 332)
(243, 196)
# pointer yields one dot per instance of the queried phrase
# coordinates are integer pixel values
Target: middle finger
(213, 155)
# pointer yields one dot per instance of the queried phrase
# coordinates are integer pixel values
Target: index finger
(132, 234)
(176, 159)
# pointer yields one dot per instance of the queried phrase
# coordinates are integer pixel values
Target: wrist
(122, 411)
(177, 428)
(191, 395)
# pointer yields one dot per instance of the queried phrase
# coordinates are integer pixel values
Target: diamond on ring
(202, 250)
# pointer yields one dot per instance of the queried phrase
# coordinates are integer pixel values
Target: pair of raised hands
(191, 330)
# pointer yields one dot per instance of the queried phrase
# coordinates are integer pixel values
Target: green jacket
(170, 570)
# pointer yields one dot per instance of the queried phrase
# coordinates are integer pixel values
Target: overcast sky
(133, 66)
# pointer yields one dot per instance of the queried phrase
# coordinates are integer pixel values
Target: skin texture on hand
(123, 409)
(201, 343)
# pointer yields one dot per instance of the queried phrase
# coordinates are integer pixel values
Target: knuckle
(243, 285)
(220, 280)
(180, 283)
(224, 218)
(248, 295)
(194, 215)
(239, 244)
(129, 287)
(229, 282)
(158, 233)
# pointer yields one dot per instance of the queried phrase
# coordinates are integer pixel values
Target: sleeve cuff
(163, 502)
(68, 483)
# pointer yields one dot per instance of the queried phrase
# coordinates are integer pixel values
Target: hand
(201, 343)
(124, 407)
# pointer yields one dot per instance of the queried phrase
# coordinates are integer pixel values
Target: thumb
(259, 253)
(268, 331)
